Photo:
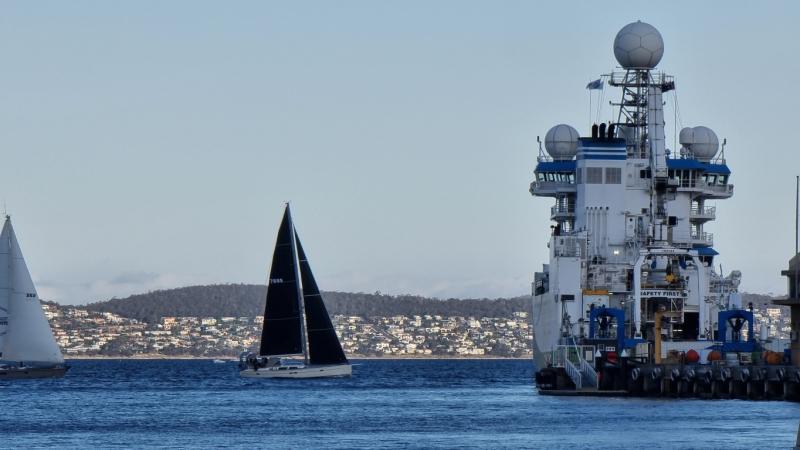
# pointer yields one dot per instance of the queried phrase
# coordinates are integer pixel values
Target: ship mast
(641, 123)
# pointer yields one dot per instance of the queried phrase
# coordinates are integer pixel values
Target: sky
(152, 145)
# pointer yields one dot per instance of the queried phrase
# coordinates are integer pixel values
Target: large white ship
(631, 290)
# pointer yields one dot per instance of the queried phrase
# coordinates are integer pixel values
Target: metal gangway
(578, 362)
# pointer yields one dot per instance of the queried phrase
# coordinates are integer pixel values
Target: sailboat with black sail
(27, 346)
(296, 322)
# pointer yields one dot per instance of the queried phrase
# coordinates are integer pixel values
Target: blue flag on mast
(596, 84)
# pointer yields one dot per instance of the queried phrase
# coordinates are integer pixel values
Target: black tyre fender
(744, 375)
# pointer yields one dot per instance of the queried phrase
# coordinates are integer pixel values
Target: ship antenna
(541, 152)
(797, 216)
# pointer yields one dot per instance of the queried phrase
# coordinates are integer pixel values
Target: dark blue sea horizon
(407, 404)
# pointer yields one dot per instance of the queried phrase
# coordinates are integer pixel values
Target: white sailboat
(296, 322)
(27, 346)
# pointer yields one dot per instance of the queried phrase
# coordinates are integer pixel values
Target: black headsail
(323, 344)
(282, 334)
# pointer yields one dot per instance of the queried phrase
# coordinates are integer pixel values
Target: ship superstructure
(632, 271)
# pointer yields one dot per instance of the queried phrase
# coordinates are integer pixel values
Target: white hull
(341, 370)
(33, 372)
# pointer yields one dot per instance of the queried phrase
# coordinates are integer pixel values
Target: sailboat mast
(300, 301)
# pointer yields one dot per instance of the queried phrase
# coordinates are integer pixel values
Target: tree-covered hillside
(215, 300)
(237, 300)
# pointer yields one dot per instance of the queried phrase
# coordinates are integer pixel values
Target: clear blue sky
(149, 144)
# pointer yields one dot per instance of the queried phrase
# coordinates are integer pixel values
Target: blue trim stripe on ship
(618, 155)
(556, 166)
(705, 251)
(608, 151)
(609, 157)
(688, 164)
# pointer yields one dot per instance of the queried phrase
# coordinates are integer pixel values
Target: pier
(736, 367)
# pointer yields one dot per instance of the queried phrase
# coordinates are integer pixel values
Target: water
(403, 404)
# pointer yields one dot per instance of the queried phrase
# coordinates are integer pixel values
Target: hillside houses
(81, 332)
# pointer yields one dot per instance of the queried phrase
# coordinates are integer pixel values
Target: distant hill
(219, 300)
(761, 302)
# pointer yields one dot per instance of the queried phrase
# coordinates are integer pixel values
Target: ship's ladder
(577, 368)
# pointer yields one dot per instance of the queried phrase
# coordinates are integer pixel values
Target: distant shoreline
(351, 357)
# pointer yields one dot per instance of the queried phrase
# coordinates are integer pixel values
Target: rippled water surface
(447, 404)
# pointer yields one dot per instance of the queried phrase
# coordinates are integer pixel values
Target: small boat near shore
(296, 322)
(27, 346)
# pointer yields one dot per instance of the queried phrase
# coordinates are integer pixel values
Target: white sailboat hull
(33, 372)
(25, 333)
(339, 370)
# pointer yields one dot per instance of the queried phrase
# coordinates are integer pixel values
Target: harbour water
(431, 404)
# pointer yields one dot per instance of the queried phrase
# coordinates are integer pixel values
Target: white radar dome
(561, 142)
(638, 45)
(702, 142)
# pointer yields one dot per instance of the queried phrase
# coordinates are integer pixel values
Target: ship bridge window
(559, 177)
(713, 179)
(686, 178)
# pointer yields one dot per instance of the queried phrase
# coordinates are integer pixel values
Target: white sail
(28, 336)
(5, 283)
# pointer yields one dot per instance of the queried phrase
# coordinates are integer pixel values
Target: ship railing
(588, 375)
(706, 211)
(574, 374)
(588, 371)
(579, 370)
(716, 188)
(561, 210)
(572, 353)
(621, 78)
(703, 238)
(561, 186)
(569, 251)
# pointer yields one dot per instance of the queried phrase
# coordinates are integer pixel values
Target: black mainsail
(282, 334)
(323, 344)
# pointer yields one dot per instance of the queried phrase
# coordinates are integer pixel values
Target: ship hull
(33, 372)
(545, 328)
(339, 370)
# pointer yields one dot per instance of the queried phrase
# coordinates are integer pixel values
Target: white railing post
(587, 369)
(580, 372)
(574, 374)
